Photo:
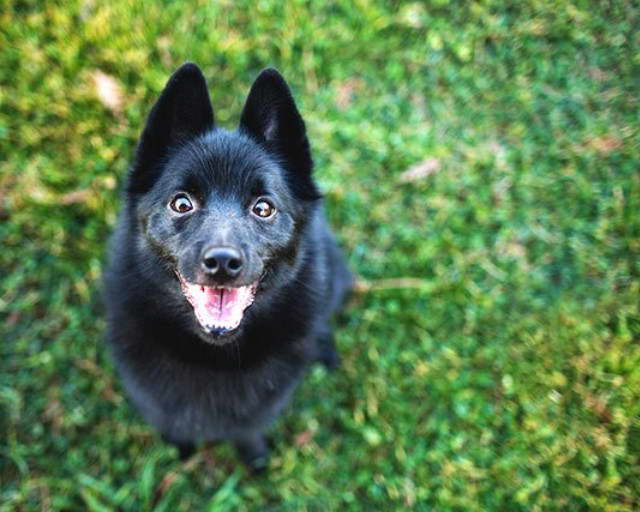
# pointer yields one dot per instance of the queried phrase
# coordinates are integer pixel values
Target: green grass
(504, 375)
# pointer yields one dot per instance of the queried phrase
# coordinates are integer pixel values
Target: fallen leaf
(75, 196)
(420, 170)
(597, 74)
(303, 438)
(515, 250)
(346, 91)
(53, 414)
(605, 144)
(12, 319)
(108, 91)
(164, 485)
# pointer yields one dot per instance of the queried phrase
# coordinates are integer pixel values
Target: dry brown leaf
(362, 286)
(420, 170)
(108, 91)
(515, 250)
(12, 319)
(346, 91)
(303, 438)
(53, 413)
(75, 196)
(597, 74)
(164, 485)
(605, 144)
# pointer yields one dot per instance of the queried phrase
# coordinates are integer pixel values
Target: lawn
(480, 163)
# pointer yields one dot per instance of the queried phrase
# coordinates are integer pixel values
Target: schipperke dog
(223, 274)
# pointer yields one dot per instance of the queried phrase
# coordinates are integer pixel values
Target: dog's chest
(193, 404)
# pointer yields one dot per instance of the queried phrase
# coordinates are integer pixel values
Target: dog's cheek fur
(159, 234)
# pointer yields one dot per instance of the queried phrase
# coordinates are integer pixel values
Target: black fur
(190, 384)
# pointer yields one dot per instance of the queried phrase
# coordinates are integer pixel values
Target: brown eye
(181, 204)
(263, 209)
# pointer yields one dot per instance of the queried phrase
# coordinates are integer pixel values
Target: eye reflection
(263, 209)
(181, 203)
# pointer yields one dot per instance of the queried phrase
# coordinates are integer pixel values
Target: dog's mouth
(219, 310)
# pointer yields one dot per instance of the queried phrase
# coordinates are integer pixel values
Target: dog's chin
(219, 311)
(217, 336)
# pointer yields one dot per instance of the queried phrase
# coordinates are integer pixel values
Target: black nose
(222, 261)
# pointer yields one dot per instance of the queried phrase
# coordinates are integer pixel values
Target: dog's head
(222, 212)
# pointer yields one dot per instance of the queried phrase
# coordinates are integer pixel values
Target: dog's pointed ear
(183, 111)
(271, 118)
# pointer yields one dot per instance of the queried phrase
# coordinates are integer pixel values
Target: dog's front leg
(185, 449)
(254, 452)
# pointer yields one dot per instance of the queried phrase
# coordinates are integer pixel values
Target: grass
(480, 164)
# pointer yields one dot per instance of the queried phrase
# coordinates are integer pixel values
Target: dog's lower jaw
(216, 336)
(218, 332)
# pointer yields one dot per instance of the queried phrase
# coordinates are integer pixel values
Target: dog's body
(223, 272)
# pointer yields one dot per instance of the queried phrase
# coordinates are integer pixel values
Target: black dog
(223, 272)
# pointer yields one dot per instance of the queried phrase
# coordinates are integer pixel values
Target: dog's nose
(222, 261)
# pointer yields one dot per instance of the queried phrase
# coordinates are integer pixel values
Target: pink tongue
(220, 303)
(219, 307)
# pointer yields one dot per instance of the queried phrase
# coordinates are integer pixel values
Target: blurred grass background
(480, 163)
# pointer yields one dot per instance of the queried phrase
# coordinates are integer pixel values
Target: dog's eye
(181, 204)
(263, 209)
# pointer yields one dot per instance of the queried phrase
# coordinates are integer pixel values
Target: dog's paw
(327, 354)
(185, 449)
(254, 454)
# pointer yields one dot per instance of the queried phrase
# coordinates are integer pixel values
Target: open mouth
(218, 309)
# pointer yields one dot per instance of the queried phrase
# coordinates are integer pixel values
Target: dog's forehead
(227, 161)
